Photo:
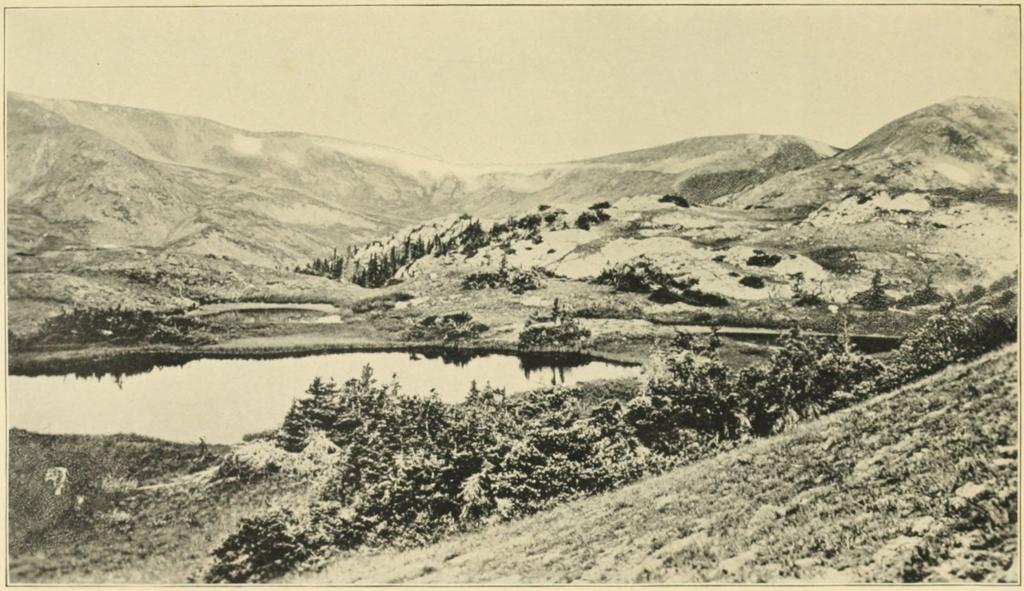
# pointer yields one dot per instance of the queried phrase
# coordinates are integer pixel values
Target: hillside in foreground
(919, 484)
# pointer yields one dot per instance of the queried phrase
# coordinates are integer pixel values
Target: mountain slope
(70, 186)
(93, 175)
(919, 484)
(964, 146)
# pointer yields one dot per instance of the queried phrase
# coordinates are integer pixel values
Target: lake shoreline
(44, 362)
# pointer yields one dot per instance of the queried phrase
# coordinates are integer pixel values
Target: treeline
(412, 469)
(382, 263)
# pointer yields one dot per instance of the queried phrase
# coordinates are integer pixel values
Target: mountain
(88, 175)
(91, 176)
(108, 194)
(964, 147)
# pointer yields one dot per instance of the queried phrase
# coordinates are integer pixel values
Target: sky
(522, 84)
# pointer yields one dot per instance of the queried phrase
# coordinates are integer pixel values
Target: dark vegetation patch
(615, 310)
(451, 329)
(418, 469)
(516, 280)
(116, 326)
(690, 296)
(752, 281)
(709, 186)
(558, 330)
(381, 303)
(763, 259)
(675, 200)
(836, 259)
(924, 295)
(874, 298)
(642, 276)
(592, 217)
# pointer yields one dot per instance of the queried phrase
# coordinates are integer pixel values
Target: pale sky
(523, 84)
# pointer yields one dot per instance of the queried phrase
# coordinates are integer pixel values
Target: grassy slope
(917, 484)
(131, 527)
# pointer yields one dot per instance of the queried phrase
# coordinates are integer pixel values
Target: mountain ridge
(349, 191)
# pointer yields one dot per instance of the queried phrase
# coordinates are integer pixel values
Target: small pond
(181, 398)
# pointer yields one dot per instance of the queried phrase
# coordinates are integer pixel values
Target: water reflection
(183, 398)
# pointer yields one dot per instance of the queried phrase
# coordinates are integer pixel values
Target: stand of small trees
(451, 329)
(412, 469)
(642, 276)
(559, 331)
(379, 267)
(516, 280)
(874, 298)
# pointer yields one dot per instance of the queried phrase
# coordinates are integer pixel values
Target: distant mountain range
(91, 176)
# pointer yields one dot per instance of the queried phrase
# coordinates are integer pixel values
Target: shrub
(684, 391)
(640, 275)
(802, 296)
(836, 259)
(801, 381)
(380, 303)
(591, 217)
(263, 548)
(674, 199)
(874, 298)
(763, 259)
(954, 335)
(564, 335)
(452, 329)
(560, 331)
(252, 461)
(516, 280)
(752, 281)
(692, 297)
(923, 296)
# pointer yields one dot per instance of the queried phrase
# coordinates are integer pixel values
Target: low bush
(451, 329)
(873, 298)
(692, 297)
(922, 296)
(763, 259)
(640, 275)
(116, 326)
(836, 259)
(380, 303)
(752, 281)
(591, 217)
(263, 548)
(516, 280)
(675, 200)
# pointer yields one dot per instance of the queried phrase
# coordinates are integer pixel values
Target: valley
(547, 338)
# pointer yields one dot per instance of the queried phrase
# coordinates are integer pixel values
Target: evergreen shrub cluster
(411, 469)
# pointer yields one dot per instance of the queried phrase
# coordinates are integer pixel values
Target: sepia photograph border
(90, 5)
